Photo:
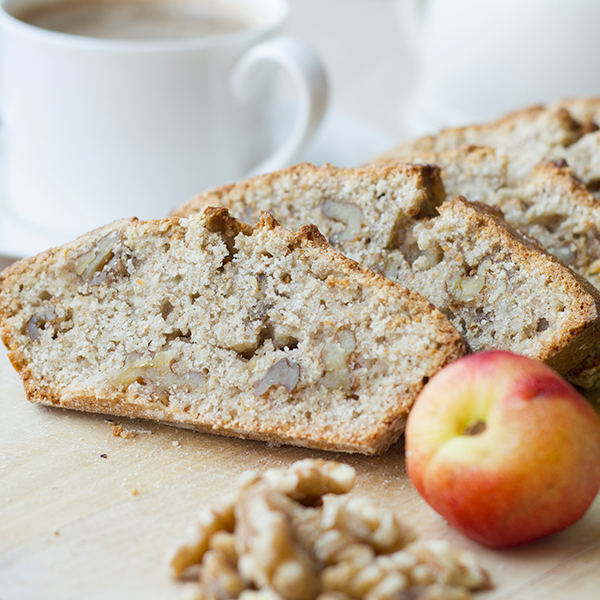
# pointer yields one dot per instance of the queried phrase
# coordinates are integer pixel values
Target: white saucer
(341, 140)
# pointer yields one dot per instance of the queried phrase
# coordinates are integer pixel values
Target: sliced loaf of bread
(564, 130)
(498, 288)
(208, 323)
(526, 136)
(550, 205)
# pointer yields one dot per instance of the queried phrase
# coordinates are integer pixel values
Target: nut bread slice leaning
(498, 286)
(507, 301)
(207, 323)
(564, 130)
(551, 205)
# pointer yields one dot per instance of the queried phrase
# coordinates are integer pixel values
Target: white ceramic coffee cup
(99, 129)
(478, 59)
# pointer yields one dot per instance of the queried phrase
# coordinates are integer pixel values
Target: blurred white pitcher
(478, 59)
(99, 127)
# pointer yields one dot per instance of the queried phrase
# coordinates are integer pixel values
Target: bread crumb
(118, 431)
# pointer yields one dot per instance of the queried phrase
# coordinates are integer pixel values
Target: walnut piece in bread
(208, 323)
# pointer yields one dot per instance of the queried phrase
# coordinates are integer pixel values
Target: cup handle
(310, 81)
(410, 16)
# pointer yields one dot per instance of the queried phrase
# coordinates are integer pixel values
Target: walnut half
(283, 372)
(334, 357)
(348, 214)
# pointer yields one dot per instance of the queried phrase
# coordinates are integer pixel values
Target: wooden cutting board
(85, 514)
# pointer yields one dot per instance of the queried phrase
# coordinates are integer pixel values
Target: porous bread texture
(526, 136)
(553, 207)
(584, 158)
(207, 323)
(584, 155)
(508, 305)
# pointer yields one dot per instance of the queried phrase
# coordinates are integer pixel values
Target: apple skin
(533, 471)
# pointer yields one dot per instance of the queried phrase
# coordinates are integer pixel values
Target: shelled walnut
(335, 361)
(465, 288)
(349, 214)
(158, 370)
(297, 534)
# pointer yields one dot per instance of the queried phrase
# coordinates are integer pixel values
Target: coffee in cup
(137, 19)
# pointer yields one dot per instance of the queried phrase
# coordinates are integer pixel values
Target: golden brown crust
(584, 110)
(371, 442)
(560, 175)
(527, 126)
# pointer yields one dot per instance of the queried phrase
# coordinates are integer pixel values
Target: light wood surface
(75, 525)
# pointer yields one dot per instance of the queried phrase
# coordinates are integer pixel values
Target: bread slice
(499, 287)
(526, 136)
(563, 130)
(211, 324)
(550, 205)
(356, 209)
(491, 282)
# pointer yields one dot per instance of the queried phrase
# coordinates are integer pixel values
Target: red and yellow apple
(503, 448)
